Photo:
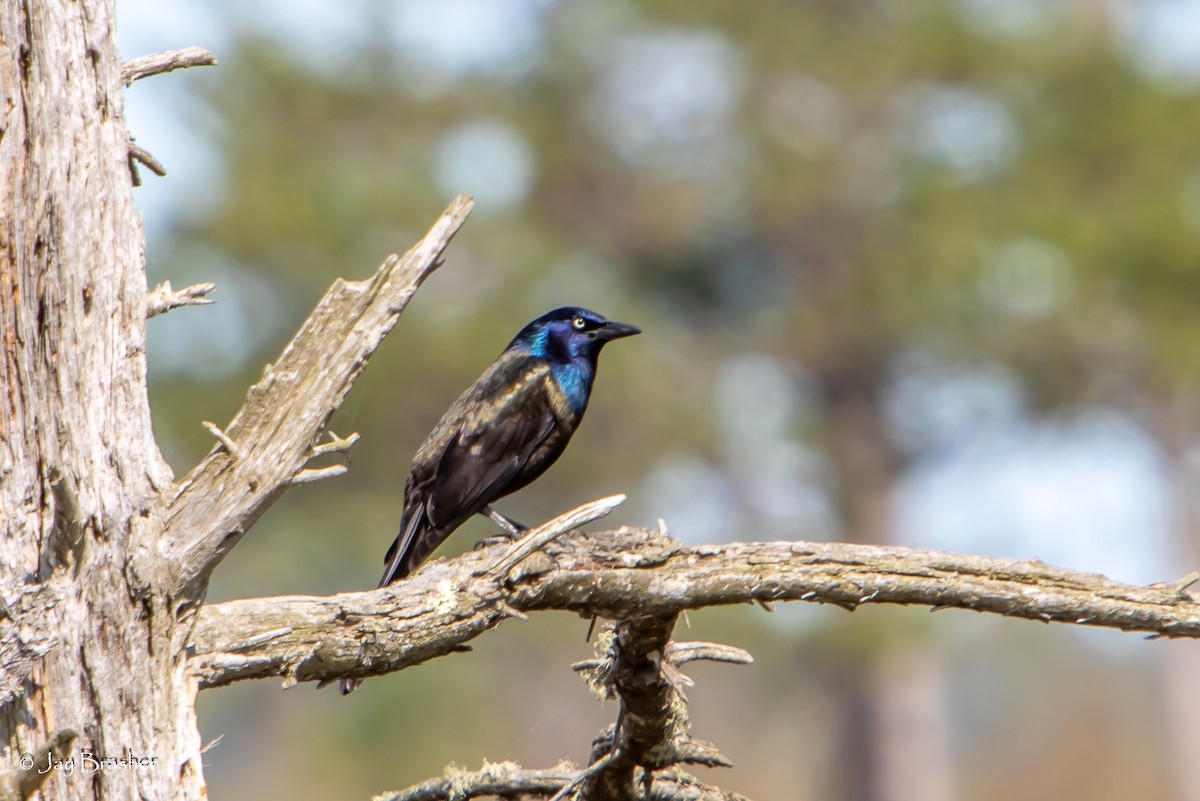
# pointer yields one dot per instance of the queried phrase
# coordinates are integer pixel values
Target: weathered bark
(637, 573)
(82, 476)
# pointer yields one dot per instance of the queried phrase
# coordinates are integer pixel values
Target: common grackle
(501, 434)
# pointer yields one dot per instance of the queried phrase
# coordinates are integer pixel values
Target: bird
(502, 433)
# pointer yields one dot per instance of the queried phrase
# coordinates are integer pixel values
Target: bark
(82, 476)
(635, 573)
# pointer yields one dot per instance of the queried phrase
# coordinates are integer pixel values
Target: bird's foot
(495, 539)
(512, 529)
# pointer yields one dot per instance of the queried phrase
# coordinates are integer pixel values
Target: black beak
(611, 330)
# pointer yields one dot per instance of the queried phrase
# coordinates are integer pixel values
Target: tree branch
(163, 298)
(139, 155)
(634, 573)
(639, 665)
(165, 61)
(650, 732)
(493, 779)
(278, 426)
(543, 535)
(508, 779)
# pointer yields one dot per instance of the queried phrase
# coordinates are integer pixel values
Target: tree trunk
(1171, 416)
(890, 746)
(82, 478)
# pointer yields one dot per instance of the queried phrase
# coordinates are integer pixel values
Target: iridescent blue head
(570, 339)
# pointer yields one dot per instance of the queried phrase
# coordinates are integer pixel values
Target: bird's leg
(510, 529)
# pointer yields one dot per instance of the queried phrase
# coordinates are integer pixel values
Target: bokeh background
(922, 273)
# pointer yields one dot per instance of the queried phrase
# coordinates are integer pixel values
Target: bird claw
(494, 539)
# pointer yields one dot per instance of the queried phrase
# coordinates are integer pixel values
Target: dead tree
(104, 635)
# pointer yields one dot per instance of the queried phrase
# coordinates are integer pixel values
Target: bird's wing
(475, 450)
(501, 426)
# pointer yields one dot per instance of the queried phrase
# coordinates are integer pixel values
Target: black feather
(501, 434)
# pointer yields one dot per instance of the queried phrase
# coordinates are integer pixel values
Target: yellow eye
(579, 323)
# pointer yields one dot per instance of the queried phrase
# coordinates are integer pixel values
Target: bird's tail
(399, 561)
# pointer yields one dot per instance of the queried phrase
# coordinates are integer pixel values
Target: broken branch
(163, 298)
(222, 497)
(165, 61)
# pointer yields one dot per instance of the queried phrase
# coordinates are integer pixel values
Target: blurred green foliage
(840, 185)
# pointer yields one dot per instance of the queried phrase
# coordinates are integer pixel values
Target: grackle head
(570, 334)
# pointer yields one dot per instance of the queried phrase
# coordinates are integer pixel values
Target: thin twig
(336, 444)
(138, 155)
(584, 775)
(504, 779)
(1180, 587)
(510, 612)
(547, 532)
(701, 752)
(679, 653)
(311, 474)
(211, 744)
(157, 63)
(510, 780)
(230, 446)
